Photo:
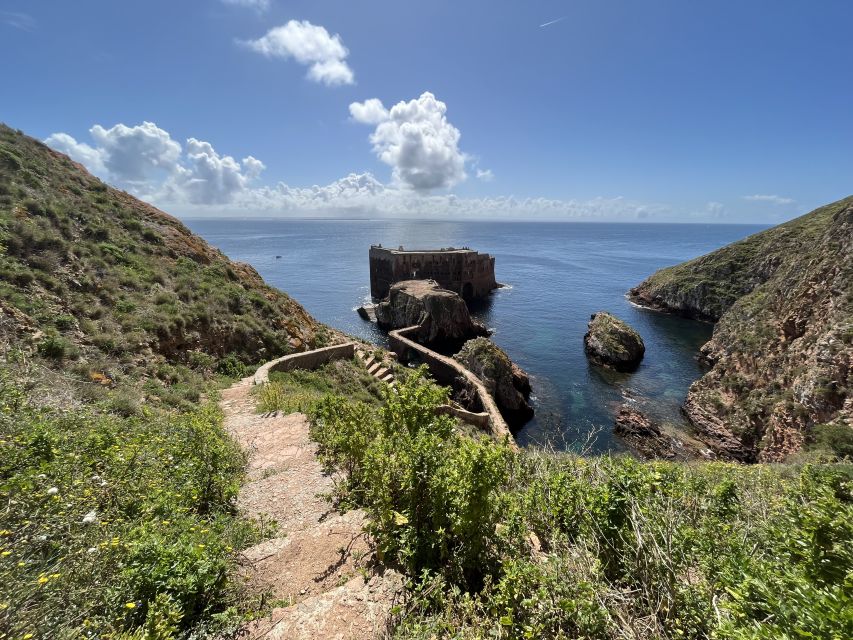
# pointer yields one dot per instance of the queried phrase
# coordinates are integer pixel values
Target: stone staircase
(379, 369)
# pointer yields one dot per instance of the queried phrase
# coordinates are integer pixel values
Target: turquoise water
(557, 275)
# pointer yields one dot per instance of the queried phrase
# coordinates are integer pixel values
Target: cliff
(782, 346)
(90, 274)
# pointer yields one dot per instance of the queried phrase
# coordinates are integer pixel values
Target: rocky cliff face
(441, 314)
(508, 383)
(782, 348)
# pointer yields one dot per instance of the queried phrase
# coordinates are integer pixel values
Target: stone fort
(465, 271)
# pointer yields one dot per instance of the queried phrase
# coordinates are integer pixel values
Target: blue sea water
(557, 274)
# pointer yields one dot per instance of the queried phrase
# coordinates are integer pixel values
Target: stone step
(384, 371)
(389, 378)
(369, 362)
(374, 368)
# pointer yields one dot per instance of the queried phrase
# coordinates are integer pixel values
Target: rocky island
(782, 348)
(442, 315)
(610, 342)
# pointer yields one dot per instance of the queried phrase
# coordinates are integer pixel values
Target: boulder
(442, 315)
(508, 384)
(610, 342)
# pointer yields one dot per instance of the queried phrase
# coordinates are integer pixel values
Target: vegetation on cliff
(611, 342)
(782, 348)
(507, 544)
(90, 274)
(117, 477)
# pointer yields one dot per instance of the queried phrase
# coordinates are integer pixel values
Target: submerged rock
(508, 384)
(612, 343)
(442, 315)
(642, 435)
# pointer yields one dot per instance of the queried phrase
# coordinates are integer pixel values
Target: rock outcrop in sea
(441, 314)
(507, 383)
(610, 342)
(782, 348)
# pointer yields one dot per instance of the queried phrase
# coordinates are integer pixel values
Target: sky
(612, 110)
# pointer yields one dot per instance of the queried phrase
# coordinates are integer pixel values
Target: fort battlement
(465, 271)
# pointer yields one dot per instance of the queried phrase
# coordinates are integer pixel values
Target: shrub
(232, 366)
(114, 525)
(54, 346)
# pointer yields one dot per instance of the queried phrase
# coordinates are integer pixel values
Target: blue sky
(621, 110)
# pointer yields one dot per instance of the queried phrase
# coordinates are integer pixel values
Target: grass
(301, 390)
(107, 276)
(504, 544)
(115, 524)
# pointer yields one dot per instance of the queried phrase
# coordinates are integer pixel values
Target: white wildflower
(52, 491)
(90, 518)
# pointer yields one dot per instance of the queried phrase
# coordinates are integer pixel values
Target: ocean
(557, 275)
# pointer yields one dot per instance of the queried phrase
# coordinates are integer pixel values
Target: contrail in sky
(552, 22)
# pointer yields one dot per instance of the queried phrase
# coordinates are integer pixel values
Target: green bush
(114, 525)
(535, 545)
(54, 346)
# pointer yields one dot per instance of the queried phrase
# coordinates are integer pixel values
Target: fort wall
(467, 272)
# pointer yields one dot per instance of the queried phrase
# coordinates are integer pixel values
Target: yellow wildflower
(130, 605)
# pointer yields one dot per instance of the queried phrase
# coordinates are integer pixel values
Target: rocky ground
(318, 567)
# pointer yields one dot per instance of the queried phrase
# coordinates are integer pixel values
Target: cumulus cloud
(81, 152)
(132, 154)
(416, 140)
(259, 5)
(370, 111)
(772, 199)
(485, 175)
(196, 179)
(149, 163)
(310, 45)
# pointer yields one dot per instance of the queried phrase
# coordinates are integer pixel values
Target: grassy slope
(783, 344)
(113, 278)
(118, 481)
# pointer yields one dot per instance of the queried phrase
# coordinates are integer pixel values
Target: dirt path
(317, 567)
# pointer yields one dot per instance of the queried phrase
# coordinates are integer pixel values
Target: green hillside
(782, 348)
(116, 477)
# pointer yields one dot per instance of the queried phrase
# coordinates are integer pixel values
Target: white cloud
(205, 177)
(311, 45)
(199, 180)
(773, 199)
(260, 5)
(485, 175)
(88, 156)
(370, 111)
(133, 154)
(146, 160)
(416, 140)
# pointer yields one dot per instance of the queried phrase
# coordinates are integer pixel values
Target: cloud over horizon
(310, 45)
(772, 199)
(198, 180)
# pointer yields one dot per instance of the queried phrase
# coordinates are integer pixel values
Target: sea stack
(442, 315)
(610, 342)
